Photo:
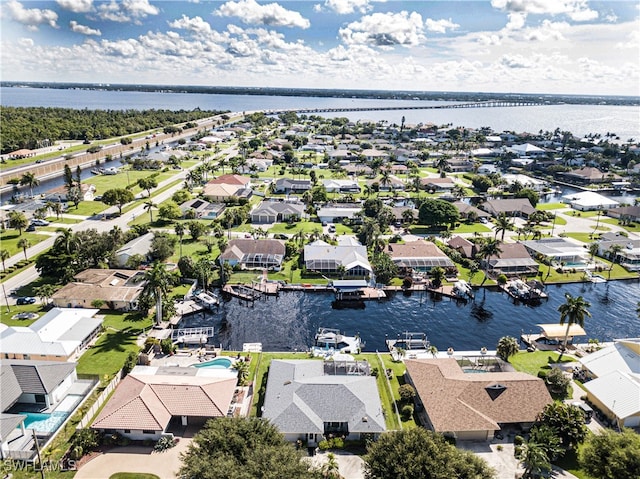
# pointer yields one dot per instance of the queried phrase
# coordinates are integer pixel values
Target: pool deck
(184, 359)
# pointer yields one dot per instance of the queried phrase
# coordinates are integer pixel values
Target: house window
(40, 398)
(148, 431)
(127, 431)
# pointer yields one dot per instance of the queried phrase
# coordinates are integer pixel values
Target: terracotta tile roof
(148, 401)
(457, 401)
(230, 180)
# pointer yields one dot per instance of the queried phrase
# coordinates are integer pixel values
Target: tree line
(30, 127)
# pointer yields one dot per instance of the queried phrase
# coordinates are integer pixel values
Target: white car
(38, 222)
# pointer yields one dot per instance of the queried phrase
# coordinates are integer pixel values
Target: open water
(288, 322)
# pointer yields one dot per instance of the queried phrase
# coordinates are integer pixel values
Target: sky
(521, 46)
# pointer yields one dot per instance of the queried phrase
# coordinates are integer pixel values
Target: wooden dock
(242, 292)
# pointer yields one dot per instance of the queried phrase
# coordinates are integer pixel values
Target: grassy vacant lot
(9, 240)
(108, 354)
(536, 361)
(551, 206)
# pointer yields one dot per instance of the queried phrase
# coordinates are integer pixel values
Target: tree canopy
(612, 455)
(413, 453)
(437, 213)
(242, 448)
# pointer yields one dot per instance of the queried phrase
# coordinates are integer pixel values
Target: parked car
(484, 220)
(332, 228)
(39, 222)
(280, 236)
(31, 228)
(26, 300)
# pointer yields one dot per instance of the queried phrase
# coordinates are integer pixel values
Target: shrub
(337, 443)
(375, 372)
(130, 362)
(86, 439)
(76, 453)
(164, 443)
(407, 412)
(324, 445)
(518, 441)
(167, 346)
(407, 393)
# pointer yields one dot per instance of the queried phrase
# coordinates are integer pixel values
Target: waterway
(579, 119)
(288, 322)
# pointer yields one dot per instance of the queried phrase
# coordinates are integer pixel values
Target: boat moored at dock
(328, 339)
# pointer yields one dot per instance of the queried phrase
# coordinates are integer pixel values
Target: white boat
(594, 278)
(461, 289)
(327, 339)
(193, 339)
(206, 300)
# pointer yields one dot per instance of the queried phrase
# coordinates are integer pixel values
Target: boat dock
(525, 292)
(187, 307)
(242, 292)
(197, 336)
(409, 341)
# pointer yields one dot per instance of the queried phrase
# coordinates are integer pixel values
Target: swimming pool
(44, 422)
(220, 363)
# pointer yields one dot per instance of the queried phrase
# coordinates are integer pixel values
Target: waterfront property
(254, 254)
(310, 399)
(151, 400)
(589, 201)
(588, 175)
(419, 256)
(466, 210)
(514, 259)
(561, 251)
(552, 335)
(615, 389)
(474, 406)
(518, 207)
(348, 255)
(628, 255)
(56, 336)
(114, 289)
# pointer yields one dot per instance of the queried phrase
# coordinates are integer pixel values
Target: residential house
(560, 250)
(395, 184)
(116, 289)
(463, 246)
(254, 253)
(438, 184)
(588, 175)
(349, 254)
(527, 150)
(290, 185)
(466, 210)
(526, 181)
(474, 406)
(615, 389)
(520, 207)
(513, 260)
(149, 399)
(373, 154)
(418, 255)
(625, 213)
(201, 209)
(226, 186)
(277, 211)
(311, 399)
(338, 212)
(57, 336)
(341, 186)
(140, 246)
(31, 387)
(629, 254)
(589, 201)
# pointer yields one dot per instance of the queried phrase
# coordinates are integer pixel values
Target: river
(288, 322)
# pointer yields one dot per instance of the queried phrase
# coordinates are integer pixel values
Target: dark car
(280, 236)
(26, 300)
(31, 228)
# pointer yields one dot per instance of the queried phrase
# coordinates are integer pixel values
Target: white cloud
(344, 7)
(385, 30)
(440, 26)
(31, 17)
(516, 20)
(546, 31)
(517, 61)
(195, 24)
(76, 6)
(272, 14)
(83, 29)
(576, 10)
(126, 11)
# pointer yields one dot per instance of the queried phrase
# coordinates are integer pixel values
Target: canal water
(288, 322)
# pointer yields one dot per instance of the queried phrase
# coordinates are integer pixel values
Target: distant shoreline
(340, 93)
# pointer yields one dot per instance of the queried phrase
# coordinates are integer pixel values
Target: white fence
(100, 401)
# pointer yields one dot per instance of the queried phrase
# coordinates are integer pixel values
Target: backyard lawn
(471, 228)
(551, 206)
(536, 361)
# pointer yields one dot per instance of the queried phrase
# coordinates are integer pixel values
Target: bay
(579, 119)
(288, 322)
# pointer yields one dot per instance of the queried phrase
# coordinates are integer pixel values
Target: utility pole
(6, 299)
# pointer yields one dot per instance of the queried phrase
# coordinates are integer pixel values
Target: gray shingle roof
(301, 398)
(38, 377)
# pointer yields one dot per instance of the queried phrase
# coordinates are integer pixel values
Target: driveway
(165, 464)
(350, 465)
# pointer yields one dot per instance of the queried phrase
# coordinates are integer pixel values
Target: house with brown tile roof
(465, 209)
(474, 406)
(520, 207)
(513, 260)
(463, 246)
(418, 255)
(118, 289)
(437, 184)
(588, 175)
(149, 398)
(254, 253)
(226, 186)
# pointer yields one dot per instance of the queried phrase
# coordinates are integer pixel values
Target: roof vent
(495, 390)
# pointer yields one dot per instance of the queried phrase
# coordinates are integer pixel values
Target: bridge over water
(479, 104)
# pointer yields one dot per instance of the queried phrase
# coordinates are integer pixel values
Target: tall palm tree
(149, 205)
(488, 249)
(179, 229)
(24, 243)
(65, 239)
(385, 177)
(242, 367)
(4, 255)
(593, 250)
(30, 180)
(503, 224)
(158, 285)
(613, 252)
(573, 311)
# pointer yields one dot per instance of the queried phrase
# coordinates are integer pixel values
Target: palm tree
(30, 180)
(507, 347)
(385, 177)
(503, 224)
(488, 249)
(149, 205)
(66, 239)
(24, 243)
(331, 469)
(408, 216)
(573, 311)
(432, 350)
(437, 275)
(593, 250)
(4, 255)
(613, 252)
(242, 367)
(158, 285)
(534, 458)
(179, 229)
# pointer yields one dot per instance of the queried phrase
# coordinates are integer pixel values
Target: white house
(589, 200)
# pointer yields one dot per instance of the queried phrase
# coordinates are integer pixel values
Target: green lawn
(9, 240)
(634, 227)
(109, 353)
(471, 228)
(551, 206)
(87, 208)
(584, 237)
(6, 317)
(532, 363)
(306, 226)
(63, 220)
(390, 403)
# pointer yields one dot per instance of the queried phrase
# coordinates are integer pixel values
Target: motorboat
(207, 300)
(462, 289)
(327, 339)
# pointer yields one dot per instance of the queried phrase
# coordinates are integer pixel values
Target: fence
(100, 401)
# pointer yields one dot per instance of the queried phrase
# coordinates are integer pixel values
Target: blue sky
(535, 46)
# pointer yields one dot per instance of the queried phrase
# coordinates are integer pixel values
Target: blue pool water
(220, 363)
(44, 422)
